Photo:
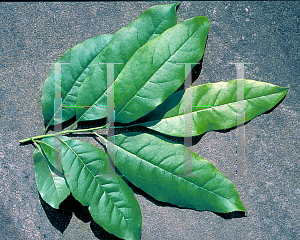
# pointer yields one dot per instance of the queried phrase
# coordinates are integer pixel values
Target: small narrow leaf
(111, 202)
(214, 107)
(75, 65)
(50, 183)
(156, 165)
(93, 92)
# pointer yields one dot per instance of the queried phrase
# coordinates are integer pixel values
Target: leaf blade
(93, 92)
(111, 202)
(210, 112)
(160, 173)
(80, 57)
(51, 186)
(156, 72)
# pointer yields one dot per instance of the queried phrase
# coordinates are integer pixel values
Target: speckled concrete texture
(35, 35)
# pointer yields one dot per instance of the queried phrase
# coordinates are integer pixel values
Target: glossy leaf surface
(214, 107)
(111, 202)
(50, 182)
(75, 65)
(154, 72)
(125, 43)
(156, 165)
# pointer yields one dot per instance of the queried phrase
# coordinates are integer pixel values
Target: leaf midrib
(225, 104)
(97, 182)
(174, 174)
(76, 82)
(52, 174)
(122, 69)
(156, 71)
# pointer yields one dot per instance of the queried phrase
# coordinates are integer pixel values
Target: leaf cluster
(132, 78)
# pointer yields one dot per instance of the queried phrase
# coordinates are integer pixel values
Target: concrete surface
(266, 34)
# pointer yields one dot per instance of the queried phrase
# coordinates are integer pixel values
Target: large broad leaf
(51, 183)
(75, 65)
(155, 71)
(156, 165)
(149, 77)
(214, 107)
(125, 43)
(111, 202)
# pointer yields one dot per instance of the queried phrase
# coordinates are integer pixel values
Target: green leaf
(214, 107)
(51, 183)
(153, 72)
(111, 202)
(156, 165)
(80, 58)
(125, 43)
(149, 77)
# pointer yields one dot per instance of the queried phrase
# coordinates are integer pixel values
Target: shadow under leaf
(230, 215)
(60, 218)
(61, 125)
(100, 233)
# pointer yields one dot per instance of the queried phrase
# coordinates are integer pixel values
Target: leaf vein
(156, 71)
(94, 178)
(155, 166)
